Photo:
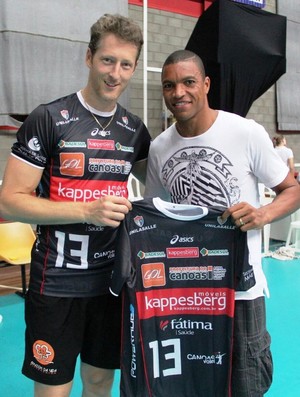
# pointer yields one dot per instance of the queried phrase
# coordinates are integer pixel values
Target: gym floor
(283, 319)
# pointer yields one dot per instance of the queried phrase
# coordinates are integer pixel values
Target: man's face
(185, 89)
(111, 68)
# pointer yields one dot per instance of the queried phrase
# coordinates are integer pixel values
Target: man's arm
(291, 165)
(18, 203)
(287, 201)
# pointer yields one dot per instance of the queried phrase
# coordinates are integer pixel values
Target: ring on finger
(241, 222)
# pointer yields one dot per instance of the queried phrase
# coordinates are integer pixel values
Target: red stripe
(183, 301)
(193, 8)
(8, 127)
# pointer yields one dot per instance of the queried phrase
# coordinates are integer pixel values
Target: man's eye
(189, 82)
(127, 66)
(107, 60)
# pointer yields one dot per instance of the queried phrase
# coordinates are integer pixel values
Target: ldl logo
(153, 274)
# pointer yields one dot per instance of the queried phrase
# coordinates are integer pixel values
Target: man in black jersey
(76, 154)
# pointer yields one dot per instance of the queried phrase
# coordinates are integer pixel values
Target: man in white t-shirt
(215, 158)
(285, 153)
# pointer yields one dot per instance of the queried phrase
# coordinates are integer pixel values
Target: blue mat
(283, 319)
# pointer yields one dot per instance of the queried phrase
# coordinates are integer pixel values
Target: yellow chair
(16, 241)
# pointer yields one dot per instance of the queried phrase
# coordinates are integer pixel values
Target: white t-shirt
(284, 153)
(221, 167)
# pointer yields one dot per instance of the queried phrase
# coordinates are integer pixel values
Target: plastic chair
(294, 229)
(134, 188)
(16, 241)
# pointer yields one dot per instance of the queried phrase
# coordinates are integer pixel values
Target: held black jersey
(80, 162)
(180, 266)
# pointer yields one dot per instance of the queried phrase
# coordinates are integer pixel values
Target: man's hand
(246, 217)
(107, 211)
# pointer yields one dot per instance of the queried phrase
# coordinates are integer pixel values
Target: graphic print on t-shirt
(201, 173)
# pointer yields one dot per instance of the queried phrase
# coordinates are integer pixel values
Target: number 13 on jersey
(166, 350)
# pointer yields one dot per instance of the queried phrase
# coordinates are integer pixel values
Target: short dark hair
(184, 55)
(123, 27)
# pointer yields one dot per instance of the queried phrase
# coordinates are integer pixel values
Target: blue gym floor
(283, 318)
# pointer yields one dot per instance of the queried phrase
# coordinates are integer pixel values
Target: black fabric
(243, 49)
(179, 277)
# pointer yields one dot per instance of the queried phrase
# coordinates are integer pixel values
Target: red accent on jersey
(153, 275)
(104, 144)
(183, 252)
(63, 189)
(182, 301)
(71, 164)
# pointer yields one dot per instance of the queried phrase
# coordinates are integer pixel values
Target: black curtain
(243, 49)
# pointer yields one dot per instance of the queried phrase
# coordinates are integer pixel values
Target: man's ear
(207, 84)
(135, 66)
(88, 58)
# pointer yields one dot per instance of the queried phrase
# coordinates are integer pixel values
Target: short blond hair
(125, 28)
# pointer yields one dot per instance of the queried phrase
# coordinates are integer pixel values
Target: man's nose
(179, 90)
(115, 69)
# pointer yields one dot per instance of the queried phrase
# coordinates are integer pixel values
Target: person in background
(76, 153)
(285, 153)
(215, 158)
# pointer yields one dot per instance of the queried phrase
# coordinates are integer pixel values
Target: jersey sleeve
(244, 277)
(35, 138)
(122, 269)
(144, 143)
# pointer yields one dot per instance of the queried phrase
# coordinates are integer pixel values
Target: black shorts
(252, 368)
(60, 329)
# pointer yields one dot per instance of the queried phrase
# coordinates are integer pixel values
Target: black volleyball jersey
(180, 266)
(80, 162)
